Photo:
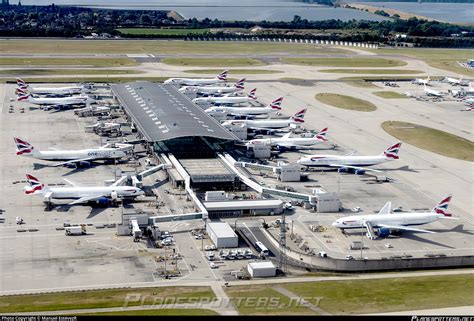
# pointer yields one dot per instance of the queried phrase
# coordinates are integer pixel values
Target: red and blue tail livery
(322, 134)
(276, 104)
(299, 116)
(240, 84)
(223, 75)
(252, 94)
(442, 207)
(22, 147)
(35, 184)
(392, 151)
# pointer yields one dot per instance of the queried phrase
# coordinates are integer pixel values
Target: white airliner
(227, 99)
(395, 221)
(291, 142)
(349, 162)
(455, 81)
(57, 102)
(80, 156)
(419, 81)
(222, 77)
(246, 111)
(81, 194)
(215, 90)
(68, 90)
(266, 124)
(432, 92)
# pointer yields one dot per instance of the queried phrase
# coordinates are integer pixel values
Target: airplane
(79, 156)
(287, 142)
(432, 92)
(59, 102)
(226, 99)
(269, 124)
(246, 111)
(63, 91)
(419, 81)
(212, 90)
(349, 162)
(395, 221)
(81, 194)
(92, 110)
(222, 77)
(455, 81)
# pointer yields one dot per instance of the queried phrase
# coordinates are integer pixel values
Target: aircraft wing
(355, 167)
(86, 199)
(270, 130)
(72, 183)
(401, 227)
(73, 161)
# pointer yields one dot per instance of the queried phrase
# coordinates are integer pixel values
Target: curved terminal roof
(162, 113)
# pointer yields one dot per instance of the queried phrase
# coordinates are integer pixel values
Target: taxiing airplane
(455, 81)
(227, 99)
(432, 92)
(81, 194)
(246, 111)
(63, 91)
(214, 90)
(58, 102)
(269, 124)
(419, 81)
(80, 156)
(395, 221)
(287, 142)
(349, 162)
(222, 77)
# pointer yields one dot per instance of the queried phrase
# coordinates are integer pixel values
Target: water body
(449, 12)
(252, 10)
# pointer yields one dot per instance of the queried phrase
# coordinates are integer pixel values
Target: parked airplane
(349, 162)
(269, 124)
(227, 99)
(287, 142)
(80, 156)
(81, 194)
(246, 111)
(456, 82)
(56, 103)
(419, 81)
(222, 77)
(395, 221)
(432, 92)
(68, 90)
(214, 90)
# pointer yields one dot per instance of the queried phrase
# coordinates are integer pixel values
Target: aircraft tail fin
(23, 147)
(442, 207)
(386, 208)
(23, 96)
(240, 84)
(21, 83)
(392, 151)
(252, 94)
(223, 75)
(299, 116)
(35, 186)
(276, 104)
(322, 134)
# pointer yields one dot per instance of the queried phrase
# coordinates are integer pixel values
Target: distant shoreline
(403, 15)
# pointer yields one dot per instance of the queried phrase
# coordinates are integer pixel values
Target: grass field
(157, 312)
(372, 71)
(386, 295)
(213, 62)
(54, 72)
(246, 300)
(100, 298)
(98, 79)
(345, 62)
(83, 62)
(431, 139)
(345, 102)
(389, 94)
(445, 59)
(162, 32)
(233, 71)
(156, 47)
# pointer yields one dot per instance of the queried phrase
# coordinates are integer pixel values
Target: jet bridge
(370, 230)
